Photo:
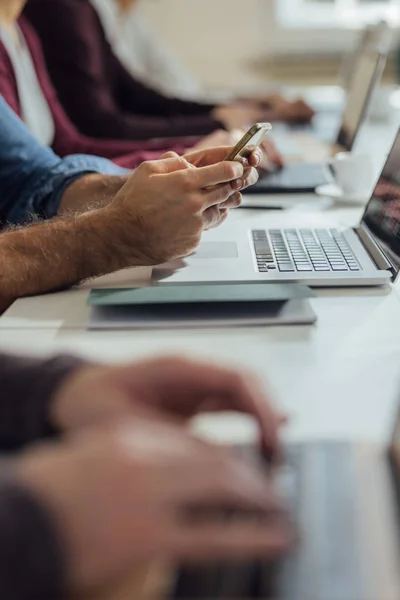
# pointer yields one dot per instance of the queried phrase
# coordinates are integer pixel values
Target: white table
(337, 379)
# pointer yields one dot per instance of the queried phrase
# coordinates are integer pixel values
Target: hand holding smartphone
(249, 142)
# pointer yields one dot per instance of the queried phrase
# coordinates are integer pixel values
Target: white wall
(218, 39)
(215, 38)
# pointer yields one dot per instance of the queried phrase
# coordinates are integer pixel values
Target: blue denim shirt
(32, 178)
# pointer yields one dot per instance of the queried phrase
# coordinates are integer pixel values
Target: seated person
(110, 489)
(104, 100)
(107, 222)
(151, 61)
(142, 53)
(26, 87)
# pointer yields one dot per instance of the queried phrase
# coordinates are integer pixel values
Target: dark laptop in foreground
(344, 499)
(368, 254)
(306, 177)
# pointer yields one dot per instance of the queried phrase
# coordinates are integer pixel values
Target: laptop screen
(376, 37)
(382, 216)
(364, 80)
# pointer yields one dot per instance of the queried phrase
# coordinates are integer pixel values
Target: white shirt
(35, 110)
(142, 54)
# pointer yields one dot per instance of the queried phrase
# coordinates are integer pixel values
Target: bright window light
(352, 14)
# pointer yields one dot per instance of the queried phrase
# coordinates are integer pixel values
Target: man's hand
(165, 206)
(149, 490)
(172, 388)
(269, 154)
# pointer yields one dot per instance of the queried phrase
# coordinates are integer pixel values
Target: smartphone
(250, 141)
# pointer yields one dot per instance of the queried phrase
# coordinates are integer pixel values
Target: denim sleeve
(32, 178)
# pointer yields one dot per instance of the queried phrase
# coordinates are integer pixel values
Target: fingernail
(238, 169)
(238, 184)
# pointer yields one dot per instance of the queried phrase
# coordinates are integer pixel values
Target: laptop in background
(305, 177)
(344, 499)
(368, 254)
(373, 37)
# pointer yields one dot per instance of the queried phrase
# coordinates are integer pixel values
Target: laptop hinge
(380, 259)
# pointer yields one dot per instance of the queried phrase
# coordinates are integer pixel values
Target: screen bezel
(363, 223)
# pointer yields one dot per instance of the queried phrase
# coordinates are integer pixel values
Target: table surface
(337, 379)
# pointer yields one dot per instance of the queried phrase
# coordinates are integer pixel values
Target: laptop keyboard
(303, 251)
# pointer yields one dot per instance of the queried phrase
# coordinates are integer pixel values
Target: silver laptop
(324, 99)
(368, 254)
(345, 502)
(375, 36)
(306, 177)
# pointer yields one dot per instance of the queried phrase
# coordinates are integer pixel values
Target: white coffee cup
(354, 174)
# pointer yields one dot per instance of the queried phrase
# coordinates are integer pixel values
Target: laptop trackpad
(216, 250)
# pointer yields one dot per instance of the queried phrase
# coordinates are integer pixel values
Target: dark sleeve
(32, 562)
(101, 98)
(27, 386)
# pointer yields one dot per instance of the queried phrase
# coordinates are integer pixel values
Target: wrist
(91, 191)
(68, 407)
(127, 239)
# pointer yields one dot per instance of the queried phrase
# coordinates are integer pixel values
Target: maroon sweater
(68, 140)
(99, 95)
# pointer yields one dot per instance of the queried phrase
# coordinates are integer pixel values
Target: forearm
(90, 192)
(57, 254)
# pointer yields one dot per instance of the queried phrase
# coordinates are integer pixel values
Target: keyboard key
(304, 268)
(286, 268)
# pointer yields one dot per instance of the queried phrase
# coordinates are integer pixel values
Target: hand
(240, 115)
(269, 152)
(127, 496)
(165, 206)
(220, 137)
(296, 111)
(169, 387)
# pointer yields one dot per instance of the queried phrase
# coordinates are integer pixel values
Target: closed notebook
(199, 293)
(200, 306)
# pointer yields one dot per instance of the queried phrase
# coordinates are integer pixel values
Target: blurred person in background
(147, 58)
(26, 87)
(104, 100)
(115, 484)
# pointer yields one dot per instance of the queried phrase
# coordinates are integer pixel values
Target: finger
(209, 156)
(222, 172)
(232, 540)
(226, 389)
(216, 195)
(170, 163)
(220, 218)
(169, 154)
(215, 476)
(233, 201)
(248, 396)
(255, 158)
(250, 178)
(211, 217)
